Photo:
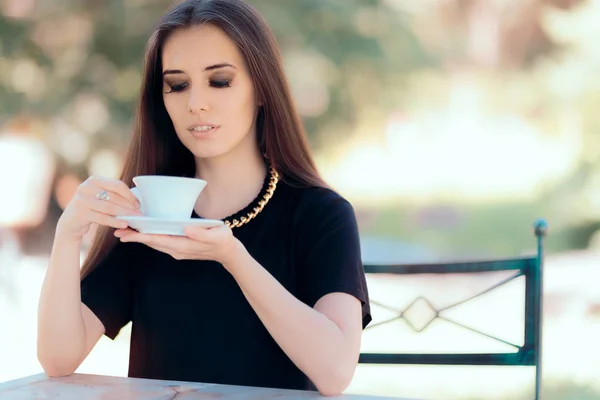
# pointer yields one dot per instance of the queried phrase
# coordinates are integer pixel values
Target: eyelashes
(177, 88)
(217, 84)
(220, 84)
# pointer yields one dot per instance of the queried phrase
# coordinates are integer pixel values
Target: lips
(202, 129)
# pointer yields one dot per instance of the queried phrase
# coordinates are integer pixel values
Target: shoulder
(321, 207)
(322, 197)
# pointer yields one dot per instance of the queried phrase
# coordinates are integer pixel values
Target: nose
(198, 101)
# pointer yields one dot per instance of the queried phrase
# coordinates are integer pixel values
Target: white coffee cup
(167, 196)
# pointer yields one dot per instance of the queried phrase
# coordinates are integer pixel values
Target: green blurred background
(451, 125)
(435, 117)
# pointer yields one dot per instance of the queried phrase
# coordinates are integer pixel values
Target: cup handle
(136, 193)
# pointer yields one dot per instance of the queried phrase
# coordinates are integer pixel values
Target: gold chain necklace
(261, 204)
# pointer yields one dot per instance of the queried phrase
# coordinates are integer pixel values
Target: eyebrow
(209, 68)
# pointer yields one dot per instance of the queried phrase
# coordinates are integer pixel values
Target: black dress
(191, 321)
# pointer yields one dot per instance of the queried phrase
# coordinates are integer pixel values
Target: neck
(232, 184)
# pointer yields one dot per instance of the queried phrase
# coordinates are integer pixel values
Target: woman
(276, 297)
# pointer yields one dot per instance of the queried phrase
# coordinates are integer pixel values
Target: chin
(216, 146)
(204, 154)
(202, 150)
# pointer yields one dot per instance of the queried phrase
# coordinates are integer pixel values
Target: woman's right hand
(86, 208)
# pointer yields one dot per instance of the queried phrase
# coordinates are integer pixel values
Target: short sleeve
(107, 290)
(332, 258)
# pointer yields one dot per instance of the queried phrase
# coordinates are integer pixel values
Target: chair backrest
(527, 354)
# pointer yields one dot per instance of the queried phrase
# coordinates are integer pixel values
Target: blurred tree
(72, 67)
(489, 33)
(75, 65)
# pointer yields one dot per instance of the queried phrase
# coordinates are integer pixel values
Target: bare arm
(323, 342)
(67, 329)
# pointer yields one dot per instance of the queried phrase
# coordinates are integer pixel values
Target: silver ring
(103, 195)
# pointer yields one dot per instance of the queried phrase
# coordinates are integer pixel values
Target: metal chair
(527, 354)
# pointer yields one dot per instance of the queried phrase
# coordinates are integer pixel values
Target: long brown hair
(155, 147)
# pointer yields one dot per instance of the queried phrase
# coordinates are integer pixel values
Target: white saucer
(166, 226)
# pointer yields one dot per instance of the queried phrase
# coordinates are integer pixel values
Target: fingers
(207, 235)
(195, 232)
(123, 232)
(114, 200)
(153, 240)
(164, 243)
(96, 184)
(111, 208)
(121, 201)
(106, 220)
(180, 248)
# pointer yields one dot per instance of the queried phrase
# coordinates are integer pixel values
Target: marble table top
(87, 387)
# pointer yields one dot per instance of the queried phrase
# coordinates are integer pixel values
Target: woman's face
(208, 92)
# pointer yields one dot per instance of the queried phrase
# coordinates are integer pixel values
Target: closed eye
(178, 88)
(217, 84)
(220, 84)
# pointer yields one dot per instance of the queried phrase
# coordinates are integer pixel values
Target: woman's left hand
(217, 244)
